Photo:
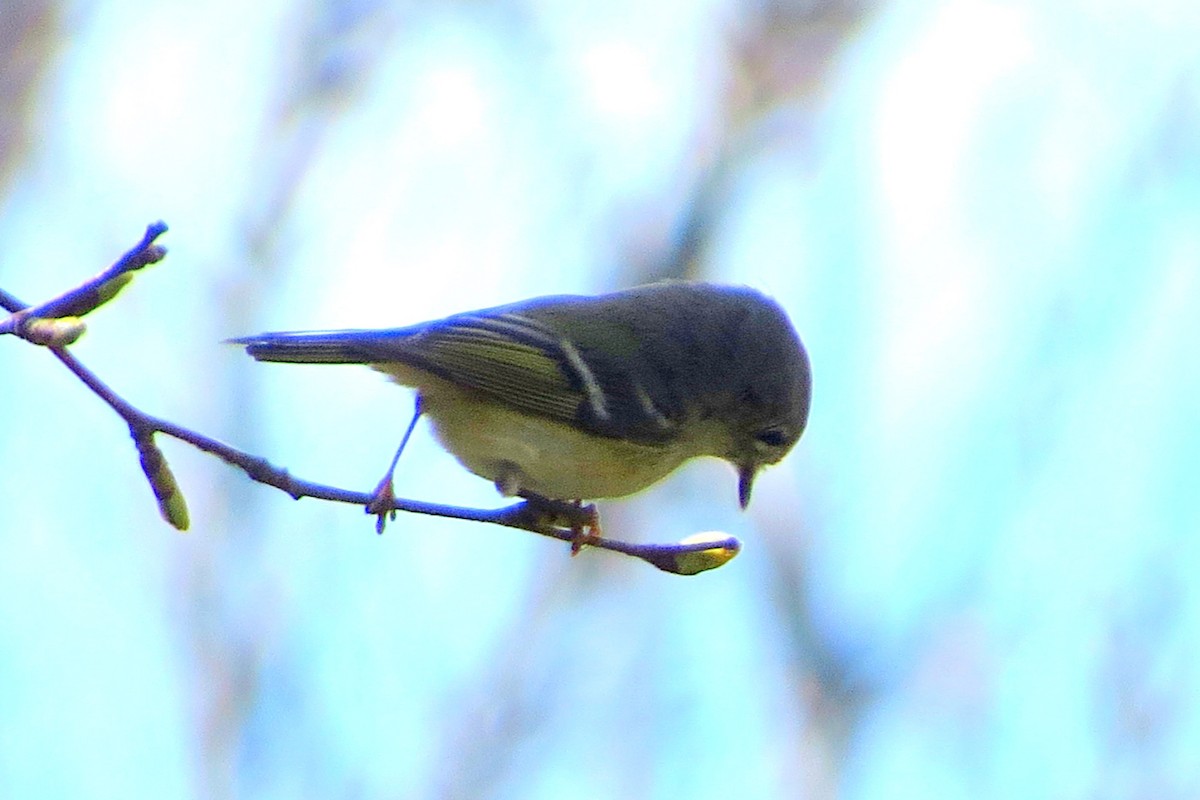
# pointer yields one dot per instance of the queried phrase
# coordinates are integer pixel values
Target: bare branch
(31, 322)
(558, 520)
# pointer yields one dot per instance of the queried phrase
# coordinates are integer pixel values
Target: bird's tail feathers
(314, 347)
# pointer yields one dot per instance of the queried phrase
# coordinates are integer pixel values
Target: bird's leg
(583, 520)
(587, 530)
(384, 495)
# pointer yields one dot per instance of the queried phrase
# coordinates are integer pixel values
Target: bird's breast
(522, 452)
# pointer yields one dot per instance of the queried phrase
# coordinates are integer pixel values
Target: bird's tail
(321, 347)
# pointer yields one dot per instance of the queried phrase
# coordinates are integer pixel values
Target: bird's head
(772, 394)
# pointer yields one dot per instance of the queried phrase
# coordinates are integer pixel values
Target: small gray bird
(580, 398)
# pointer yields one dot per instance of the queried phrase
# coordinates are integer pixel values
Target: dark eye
(772, 437)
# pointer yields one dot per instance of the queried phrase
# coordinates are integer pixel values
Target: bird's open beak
(745, 484)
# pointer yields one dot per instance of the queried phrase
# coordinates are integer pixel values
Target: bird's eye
(772, 437)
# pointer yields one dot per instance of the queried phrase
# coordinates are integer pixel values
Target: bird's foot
(583, 519)
(382, 503)
(586, 529)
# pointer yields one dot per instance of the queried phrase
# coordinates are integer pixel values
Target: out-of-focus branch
(55, 324)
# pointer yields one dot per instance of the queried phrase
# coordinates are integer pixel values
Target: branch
(56, 323)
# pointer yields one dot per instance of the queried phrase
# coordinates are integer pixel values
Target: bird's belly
(521, 452)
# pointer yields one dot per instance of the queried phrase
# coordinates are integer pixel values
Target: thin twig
(83, 299)
(687, 557)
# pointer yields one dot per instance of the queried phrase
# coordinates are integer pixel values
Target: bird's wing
(529, 365)
(503, 361)
(518, 356)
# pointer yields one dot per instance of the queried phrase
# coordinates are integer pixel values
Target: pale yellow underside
(518, 451)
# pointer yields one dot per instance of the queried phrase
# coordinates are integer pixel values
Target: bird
(574, 397)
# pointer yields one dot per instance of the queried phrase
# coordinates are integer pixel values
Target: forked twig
(57, 323)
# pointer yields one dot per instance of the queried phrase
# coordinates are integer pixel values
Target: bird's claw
(585, 528)
(583, 520)
(382, 504)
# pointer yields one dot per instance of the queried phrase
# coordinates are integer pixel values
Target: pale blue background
(977, 576)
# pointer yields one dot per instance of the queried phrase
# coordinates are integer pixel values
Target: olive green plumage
(576, 397)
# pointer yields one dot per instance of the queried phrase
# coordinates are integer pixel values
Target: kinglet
(574, 398)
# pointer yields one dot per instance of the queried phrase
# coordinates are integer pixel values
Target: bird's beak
(745, 483)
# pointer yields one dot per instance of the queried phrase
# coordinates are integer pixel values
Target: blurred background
(976, 576)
